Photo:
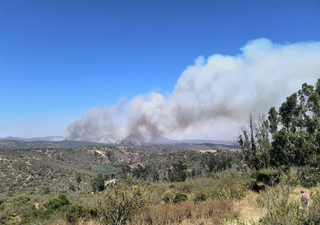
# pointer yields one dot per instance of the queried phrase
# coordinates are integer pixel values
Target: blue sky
(58, 59)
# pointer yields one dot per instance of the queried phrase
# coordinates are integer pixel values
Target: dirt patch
(28, 177)
(204, 151)
(103, 154)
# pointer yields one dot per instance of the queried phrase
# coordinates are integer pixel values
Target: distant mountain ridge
(49, 138)
(159, 140)
(14, 144)
(163, 140)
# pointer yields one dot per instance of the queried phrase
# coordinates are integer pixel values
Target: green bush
(74, 212)
(92, 211)
(265, 175)
(180, 197)
(168, 196)
(59, 204)
(199, 196)
(308, 176)
(20, 200)
(56, 203)
(128, 181)
(120, 201)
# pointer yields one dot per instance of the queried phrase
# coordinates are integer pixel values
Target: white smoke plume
(219, 90)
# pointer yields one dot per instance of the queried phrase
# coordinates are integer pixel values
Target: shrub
(180, 197)
(187, 188)
(56, 203)
(128, 181)
(107, 168)
(13, 211)
(120, 200)
(72, 187)
(46, 190)
(282, 210)
(168, 196)
(20, 200)
(230, 191)
(313, 212)
(153, 186)
(199, 196)
(308, 176)
(74, 212)
(92, 211)
(265, 175)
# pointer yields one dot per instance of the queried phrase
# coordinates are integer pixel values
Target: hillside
(56, 168)
(35, 166)
(16, 144)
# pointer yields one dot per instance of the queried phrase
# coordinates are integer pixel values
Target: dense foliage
(289, 137)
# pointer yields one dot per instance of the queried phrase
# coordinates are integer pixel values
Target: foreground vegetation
(128, 203)
(214, 199)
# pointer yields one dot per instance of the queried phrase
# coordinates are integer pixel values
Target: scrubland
(221, 198)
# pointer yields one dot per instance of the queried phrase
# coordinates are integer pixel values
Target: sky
(61, 59)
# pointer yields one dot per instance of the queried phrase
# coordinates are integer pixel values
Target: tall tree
(294, 132)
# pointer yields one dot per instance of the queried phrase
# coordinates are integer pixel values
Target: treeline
(288, 137)
(174, 167)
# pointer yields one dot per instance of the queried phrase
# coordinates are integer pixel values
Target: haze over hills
(158, 140)
(15, 144)
(163, 140)
(49, 138)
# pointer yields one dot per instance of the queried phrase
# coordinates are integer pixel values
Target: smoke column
(220, 88)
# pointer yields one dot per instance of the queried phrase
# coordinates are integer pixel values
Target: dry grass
(209, 211)
(78, 222)
(295, 193)
(249, 207)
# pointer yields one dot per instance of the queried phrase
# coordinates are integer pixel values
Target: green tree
(97, 183)
(290, 137)
(255, 143)
(177, 173)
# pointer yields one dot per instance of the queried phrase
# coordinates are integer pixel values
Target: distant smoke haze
(211, 99)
